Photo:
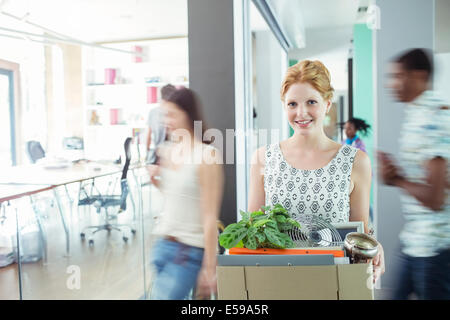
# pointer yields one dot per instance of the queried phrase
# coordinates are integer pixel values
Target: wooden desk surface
(14, 191)
(37, 174)
(29, 179)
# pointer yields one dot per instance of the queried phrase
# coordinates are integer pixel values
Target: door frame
(13, 69)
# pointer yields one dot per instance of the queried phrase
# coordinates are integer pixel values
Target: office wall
(442, 26)
(404, 24)
(441, 81)
(211, 75)
(363, 85)
(73, 93)
(31, 118)
(291, 63)
(267, 63)
(331, 46)
(442, 48)
(64, 96)
(363, 80)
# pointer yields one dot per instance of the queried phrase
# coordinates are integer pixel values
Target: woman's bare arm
(360, 195)
(211, 179)
(360, 203)
(256, 193)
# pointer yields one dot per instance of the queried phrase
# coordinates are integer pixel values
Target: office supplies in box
(335, 251)
(275, 260)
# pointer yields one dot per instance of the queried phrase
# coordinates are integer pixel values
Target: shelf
(107, 130)
(167, 62)
(141, 84)
(134, 107)
(104, 126)
(161, 84)
(113, 85)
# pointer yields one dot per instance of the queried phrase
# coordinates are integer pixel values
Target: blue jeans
(177, 266)
(428, 278)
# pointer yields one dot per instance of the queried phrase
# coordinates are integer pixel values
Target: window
(7, 119)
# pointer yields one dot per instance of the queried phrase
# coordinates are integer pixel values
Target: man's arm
(432, 193)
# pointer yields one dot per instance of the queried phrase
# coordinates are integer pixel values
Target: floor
(108, 269)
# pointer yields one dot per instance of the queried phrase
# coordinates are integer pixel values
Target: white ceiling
(328, 13)
(325, 28)
(300, 17)
(103, 20)
(257, 22)
(115, 20)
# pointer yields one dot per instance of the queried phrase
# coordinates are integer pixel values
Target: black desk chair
(35, 151)
(107, 201)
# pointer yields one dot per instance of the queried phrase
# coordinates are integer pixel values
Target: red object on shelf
(152, 94)
(110, 76)
(114, 115)
(138, 56)
(335, 253)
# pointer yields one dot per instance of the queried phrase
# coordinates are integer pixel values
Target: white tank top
(323, 192)
(182, 214)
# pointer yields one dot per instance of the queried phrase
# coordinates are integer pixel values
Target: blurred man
(423, 177)
(156, 129)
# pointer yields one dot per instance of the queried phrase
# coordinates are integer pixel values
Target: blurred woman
(186, 248)
(351, 128)
(310, 173)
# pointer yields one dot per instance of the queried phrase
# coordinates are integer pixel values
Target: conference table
(27, 180)
(10, 192)
(57, 176)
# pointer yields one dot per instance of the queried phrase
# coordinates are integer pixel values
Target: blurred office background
(90, 71)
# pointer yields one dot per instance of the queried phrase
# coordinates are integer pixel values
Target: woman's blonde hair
(313, 72)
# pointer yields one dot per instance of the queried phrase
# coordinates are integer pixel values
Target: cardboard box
(334, 282)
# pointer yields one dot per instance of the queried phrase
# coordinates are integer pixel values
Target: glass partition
(9, 270)
(104, 265)
(82, 93)
(280, 34)
(36, 262)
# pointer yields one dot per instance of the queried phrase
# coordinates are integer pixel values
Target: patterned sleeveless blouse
(323, 192)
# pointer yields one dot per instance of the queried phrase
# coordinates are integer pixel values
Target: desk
(37, 174)
(28, 180)
(10, 192)
(14, 191)
(21, 180)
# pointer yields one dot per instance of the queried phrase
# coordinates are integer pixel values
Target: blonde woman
(310, 173)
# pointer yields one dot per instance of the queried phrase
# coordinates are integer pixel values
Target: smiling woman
(322, 168)
(310, 81)
(309, 173)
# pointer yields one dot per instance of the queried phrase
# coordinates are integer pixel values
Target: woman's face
(175, 118)
(349, 129)
(305, 108)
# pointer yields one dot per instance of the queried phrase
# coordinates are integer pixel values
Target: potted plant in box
(260, 229)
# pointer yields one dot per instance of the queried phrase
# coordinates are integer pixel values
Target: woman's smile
(303, 123)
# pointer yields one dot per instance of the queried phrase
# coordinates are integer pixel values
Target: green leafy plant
(260, 229)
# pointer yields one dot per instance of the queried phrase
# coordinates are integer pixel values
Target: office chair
(35, 151)
(108, 201)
